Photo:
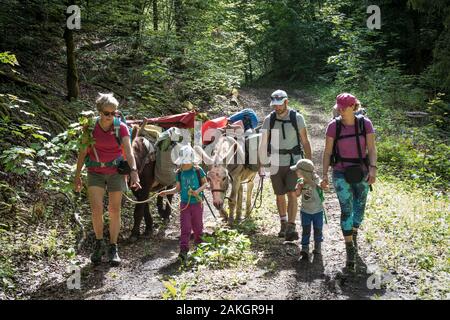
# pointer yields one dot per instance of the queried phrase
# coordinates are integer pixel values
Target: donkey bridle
(223, 191)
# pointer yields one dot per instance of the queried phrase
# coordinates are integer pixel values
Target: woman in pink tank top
(350, 143)
(102, 159)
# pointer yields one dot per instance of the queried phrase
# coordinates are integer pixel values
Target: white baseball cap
(278, 97)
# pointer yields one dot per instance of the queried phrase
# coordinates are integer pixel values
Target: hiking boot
(114, 258)
(304, 253)
(98, 252)
(291, 233)
(282, 232)
(183, 255)
(317, 248)
(355, 243)
(351, 256)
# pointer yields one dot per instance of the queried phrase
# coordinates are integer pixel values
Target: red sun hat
(345, 100)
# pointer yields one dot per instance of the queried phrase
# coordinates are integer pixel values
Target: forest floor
(274, 272)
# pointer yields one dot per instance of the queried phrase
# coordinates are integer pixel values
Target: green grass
(296, 105)
(408, 229)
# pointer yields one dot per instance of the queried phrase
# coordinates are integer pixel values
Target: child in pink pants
(191, 180)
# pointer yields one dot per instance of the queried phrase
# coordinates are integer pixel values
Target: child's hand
(195, 193)
(324, 184)
(298, 189)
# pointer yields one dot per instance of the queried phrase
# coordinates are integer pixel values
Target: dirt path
(277, 275)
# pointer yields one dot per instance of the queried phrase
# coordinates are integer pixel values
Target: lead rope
(144, 201)
(187, 204)
(258, 193)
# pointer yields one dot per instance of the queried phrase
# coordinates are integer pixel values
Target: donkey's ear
(135, 131)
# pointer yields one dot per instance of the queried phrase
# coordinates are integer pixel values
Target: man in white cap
(292, 144)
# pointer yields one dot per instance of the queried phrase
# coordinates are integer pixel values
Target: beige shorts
(112, 182)
(284, 181)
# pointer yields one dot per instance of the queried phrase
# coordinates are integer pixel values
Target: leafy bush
(27, 148)
(440, 111)
(224, 248)
(8, 58)
(174, 290)
(417, 156)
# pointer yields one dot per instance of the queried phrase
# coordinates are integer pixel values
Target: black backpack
(293, 121)
(360, 130)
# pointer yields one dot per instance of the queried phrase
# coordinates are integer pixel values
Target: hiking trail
(277, 275)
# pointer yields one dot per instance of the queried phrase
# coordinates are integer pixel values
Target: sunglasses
(273, 98)
(107, 113)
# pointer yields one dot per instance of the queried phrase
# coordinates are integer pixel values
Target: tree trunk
(73, 89)
(180, 23)
(249, 62)
(155, 15)
(418, 61)
(138, 12)
(180, 19)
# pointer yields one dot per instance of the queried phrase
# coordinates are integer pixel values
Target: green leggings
(352, 199)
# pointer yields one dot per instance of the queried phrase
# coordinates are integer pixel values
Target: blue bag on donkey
(248, 117)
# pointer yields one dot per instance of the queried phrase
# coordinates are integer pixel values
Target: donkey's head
(218, 176)
(218, 179)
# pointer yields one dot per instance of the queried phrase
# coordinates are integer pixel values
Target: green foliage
(8, 58)
(440, 78)
(83, 129)
(355, 52)
(439, 111)
(247, 226)
(7, 273)
(18, 160)
(27, 148)
(174, 290)
(60, 151)
(225, 248)
(416, 156)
